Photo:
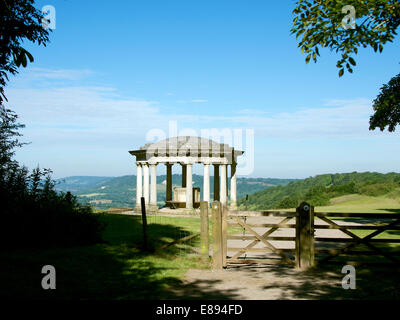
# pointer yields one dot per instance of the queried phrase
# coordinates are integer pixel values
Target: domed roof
(186, 146)
(185, 142)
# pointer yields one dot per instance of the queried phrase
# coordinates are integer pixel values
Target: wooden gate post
(312, 235)
(216, 211)
(304, 236)
(204, 232)
(144, 223)
(224, 229)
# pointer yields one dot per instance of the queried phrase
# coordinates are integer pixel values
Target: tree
(19, 21)
(387, 106)
(34, 213)
(8, 140)
(344, 26)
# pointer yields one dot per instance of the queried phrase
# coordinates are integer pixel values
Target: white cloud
(55, 74)
(88, 114)
(74, 123)
(335, 119)
(71, 105)
(192, 101)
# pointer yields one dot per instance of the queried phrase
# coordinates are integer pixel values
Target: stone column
(146, 186)
(153, 185)
(168, 196)
(139, 190)
(227, 184)
(233, 204)
(206, 183)
(189, 187)
(184, 173)
(223, 197)
(216, 182)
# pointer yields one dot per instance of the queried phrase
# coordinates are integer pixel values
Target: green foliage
(288, 202)
(19, 21)
(377, 189)
(8, 139)
(387, 106)
(117, 269)
(33, 214)
(317, 196)
(394, 194)
(320, 189)
(318, 24)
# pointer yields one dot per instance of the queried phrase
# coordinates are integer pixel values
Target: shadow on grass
(118, 269)
(391, 210)
(325, 283)
(376, 275)
(376, 278)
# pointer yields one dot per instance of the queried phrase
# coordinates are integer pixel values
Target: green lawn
(361, 203)
(118, 269)
(356, 203)
(364, 204)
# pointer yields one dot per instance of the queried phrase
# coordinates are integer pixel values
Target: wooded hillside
(319, 190)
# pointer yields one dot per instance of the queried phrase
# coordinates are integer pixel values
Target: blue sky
(116, 70)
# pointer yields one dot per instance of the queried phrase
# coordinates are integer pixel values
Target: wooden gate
(256, 234)
(362, 236)
(241, 237)
(260, 242)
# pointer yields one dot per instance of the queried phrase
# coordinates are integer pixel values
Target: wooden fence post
(144, 223)
(204, 232)
(217, 261)
(224, 229)
(305, 236)
(312, 235)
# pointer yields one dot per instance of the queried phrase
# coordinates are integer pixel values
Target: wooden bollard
(144, 223)
(204, 232)
(305, 236)
(224, 229)
(216, 211)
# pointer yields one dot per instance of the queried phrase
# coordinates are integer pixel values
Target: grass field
(356, 203)
(361, 203)
(365, 204)
(118, 269)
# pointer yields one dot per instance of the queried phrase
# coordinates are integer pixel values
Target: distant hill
(319, 190)
(78, 183)
(105, 192)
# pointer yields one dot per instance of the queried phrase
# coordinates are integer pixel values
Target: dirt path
(260, 283)
(265, 282)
